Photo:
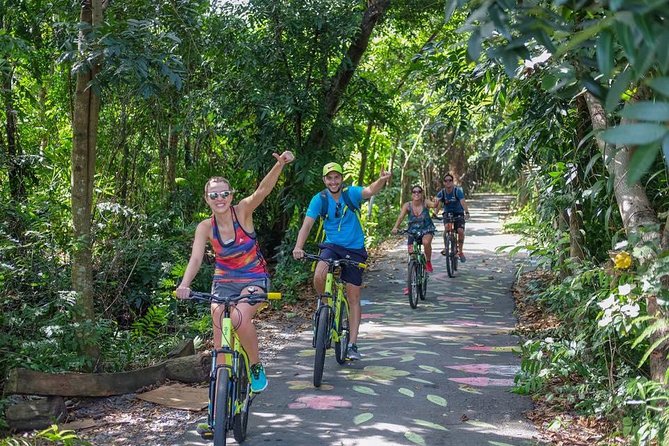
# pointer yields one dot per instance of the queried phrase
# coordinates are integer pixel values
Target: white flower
(624, 290)
(549, 340)
(608, 302)
(631, 310)
(605, 320)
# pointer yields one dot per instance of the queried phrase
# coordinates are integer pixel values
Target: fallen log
(190, 369)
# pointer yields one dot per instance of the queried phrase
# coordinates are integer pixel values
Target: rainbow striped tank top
(239, 260)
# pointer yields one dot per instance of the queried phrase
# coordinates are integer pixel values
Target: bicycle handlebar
(416, 233)
(251, 299)
(334, 262)
(449, 218)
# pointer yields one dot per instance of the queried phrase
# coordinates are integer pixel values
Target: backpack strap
(347, 201)
(324, 204)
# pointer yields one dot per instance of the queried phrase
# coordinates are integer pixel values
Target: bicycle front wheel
(454, 257)
(322, 332)
(343, 333)
(450, 253)
(242, 402)
(221, 405)
(423, 282)
(412, 283)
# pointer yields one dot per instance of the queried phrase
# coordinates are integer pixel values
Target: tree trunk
(363, 153)
(337, 85)
(172, 154)
(16, 184)
(576, 239)
(639, 219)
(403, 185)
(84, 140)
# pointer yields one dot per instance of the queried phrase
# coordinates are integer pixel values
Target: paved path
(437, 375)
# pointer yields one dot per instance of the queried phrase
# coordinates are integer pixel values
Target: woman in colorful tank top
(419, 220)
(240, 266)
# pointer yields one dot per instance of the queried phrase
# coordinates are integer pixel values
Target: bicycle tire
(423, 282)
(221, 405)
(412, 283)
(241, 419)
(343, 332)
(454, 258)
(449, 255)
(322, 334)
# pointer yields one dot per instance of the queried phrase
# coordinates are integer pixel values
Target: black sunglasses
(223, 194)
(416, 191)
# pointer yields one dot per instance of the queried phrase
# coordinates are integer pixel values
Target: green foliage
(64, 437)
(596, 359)
(646, 417)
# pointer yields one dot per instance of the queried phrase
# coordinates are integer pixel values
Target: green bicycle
(416, 272)
(331, 317)
(230, 395)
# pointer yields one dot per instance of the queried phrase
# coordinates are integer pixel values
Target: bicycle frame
(232, 349)
(335, 303)
(334, 298)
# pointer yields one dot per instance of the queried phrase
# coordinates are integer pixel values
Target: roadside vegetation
(114, 115)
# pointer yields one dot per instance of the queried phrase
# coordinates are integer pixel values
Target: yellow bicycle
(230, 393)
(330, 320)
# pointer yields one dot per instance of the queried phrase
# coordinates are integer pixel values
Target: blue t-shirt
(341, 226)
(451, 201)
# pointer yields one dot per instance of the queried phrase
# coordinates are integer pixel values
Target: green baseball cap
(332, 167)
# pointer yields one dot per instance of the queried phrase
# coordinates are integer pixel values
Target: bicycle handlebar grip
(274, 296)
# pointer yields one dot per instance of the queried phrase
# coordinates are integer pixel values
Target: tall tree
(84, 141)
(336, 86)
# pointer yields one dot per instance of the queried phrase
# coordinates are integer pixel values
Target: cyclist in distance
(453, 200)
(419, 220)
(344, 238)
(240, 266)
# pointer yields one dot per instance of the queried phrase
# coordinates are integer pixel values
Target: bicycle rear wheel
(322, 332)
(242, 402)
(448, 245)
(412, 283)
(221, 405)
(343, 332)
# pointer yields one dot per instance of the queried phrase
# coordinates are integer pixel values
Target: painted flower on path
(320, 402)
(482, 381)
(302, 385)
(377, 373)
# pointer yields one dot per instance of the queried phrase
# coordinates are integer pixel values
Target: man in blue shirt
(343, 237)
(453, 200)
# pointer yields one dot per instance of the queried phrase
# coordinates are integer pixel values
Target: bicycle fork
(320, 307)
